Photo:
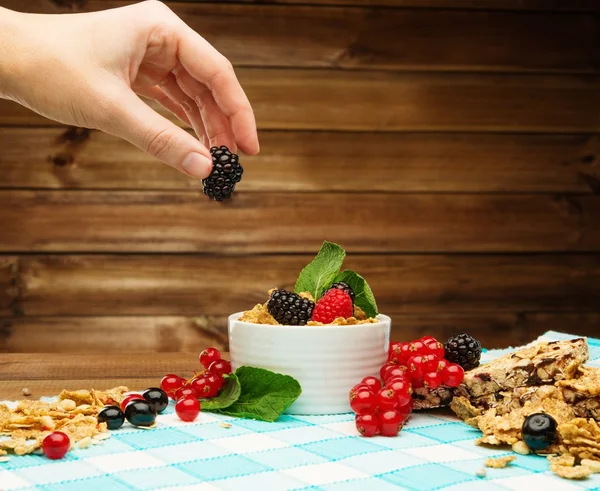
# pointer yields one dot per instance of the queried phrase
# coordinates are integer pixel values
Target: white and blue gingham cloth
(433, 451)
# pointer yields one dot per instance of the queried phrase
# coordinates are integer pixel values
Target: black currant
(112, 416)
(140, 413)
(157, 397)
(539, 431)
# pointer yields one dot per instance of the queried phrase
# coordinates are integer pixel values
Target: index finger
(203, 62)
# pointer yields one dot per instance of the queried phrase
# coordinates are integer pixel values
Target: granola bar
(543, 363)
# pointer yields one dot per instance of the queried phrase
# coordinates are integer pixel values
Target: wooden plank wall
(452, 146)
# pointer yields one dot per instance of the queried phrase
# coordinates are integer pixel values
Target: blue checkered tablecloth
(434, 451)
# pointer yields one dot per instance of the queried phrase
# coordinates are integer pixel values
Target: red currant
(354, 389)
(387, 399)
(186, 392)
(220, 367)
(129, 398)
(56, 445)
(187, 408)
(407, 408)
(390, 422)
(430, 363)
(170, 383)
(367, 424)
(417, 382)
(405, 354)
(417, 348)
(372, 382)
(416, 367)
(432, 380)
(453, 375)
(208, 356)
(393, 349)
(428, 339)
(363, 401)
(395, 371)
(441, 365)
(201, 386)
(216, 382)
(384, 368)
(402, 389)
(436, 349)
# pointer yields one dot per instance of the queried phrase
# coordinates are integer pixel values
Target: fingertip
(197, 165)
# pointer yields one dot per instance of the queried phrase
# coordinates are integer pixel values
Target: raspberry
(464, 350)
(335, 303)
(289, 308)
(226, 173)
(363, 401)
(390, 422)
(372, 383)
(340, 285)
(367, 424)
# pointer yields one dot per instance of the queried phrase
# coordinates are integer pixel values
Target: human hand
(86, 69)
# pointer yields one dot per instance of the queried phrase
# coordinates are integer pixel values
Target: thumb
(139, 124)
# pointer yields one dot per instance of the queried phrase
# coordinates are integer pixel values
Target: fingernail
(197, 165)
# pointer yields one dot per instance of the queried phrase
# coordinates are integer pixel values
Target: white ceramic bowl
(327, 360)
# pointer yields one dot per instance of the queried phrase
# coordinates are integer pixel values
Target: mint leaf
(230, 392)
(363, 296)
(265, 394)
(320, 272)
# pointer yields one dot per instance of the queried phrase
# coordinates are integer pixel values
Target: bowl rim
(382, 318)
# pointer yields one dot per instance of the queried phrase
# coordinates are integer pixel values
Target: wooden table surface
(48, 374)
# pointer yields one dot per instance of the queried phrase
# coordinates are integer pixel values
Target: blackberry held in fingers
(464, 350)
(289, 308)
(227, 172)
(345, 287)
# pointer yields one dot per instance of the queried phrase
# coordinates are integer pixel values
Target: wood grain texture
(144, 221)
(111, 334)
(140, 285)
(316, 161)
(12, 390)
(349, 37)
(9, 286)
(56, 366)
(519, 5)
(384, 101)
(162, 334)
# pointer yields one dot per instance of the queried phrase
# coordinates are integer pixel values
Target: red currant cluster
(424, 364)
(383, 408)
(204, 385)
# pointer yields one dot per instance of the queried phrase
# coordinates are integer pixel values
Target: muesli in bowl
(325, 333)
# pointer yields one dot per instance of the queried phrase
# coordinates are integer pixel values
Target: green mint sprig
(254, 393)
(319, 274)
(324, 270)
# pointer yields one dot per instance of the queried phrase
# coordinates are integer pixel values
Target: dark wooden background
(451, 146)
